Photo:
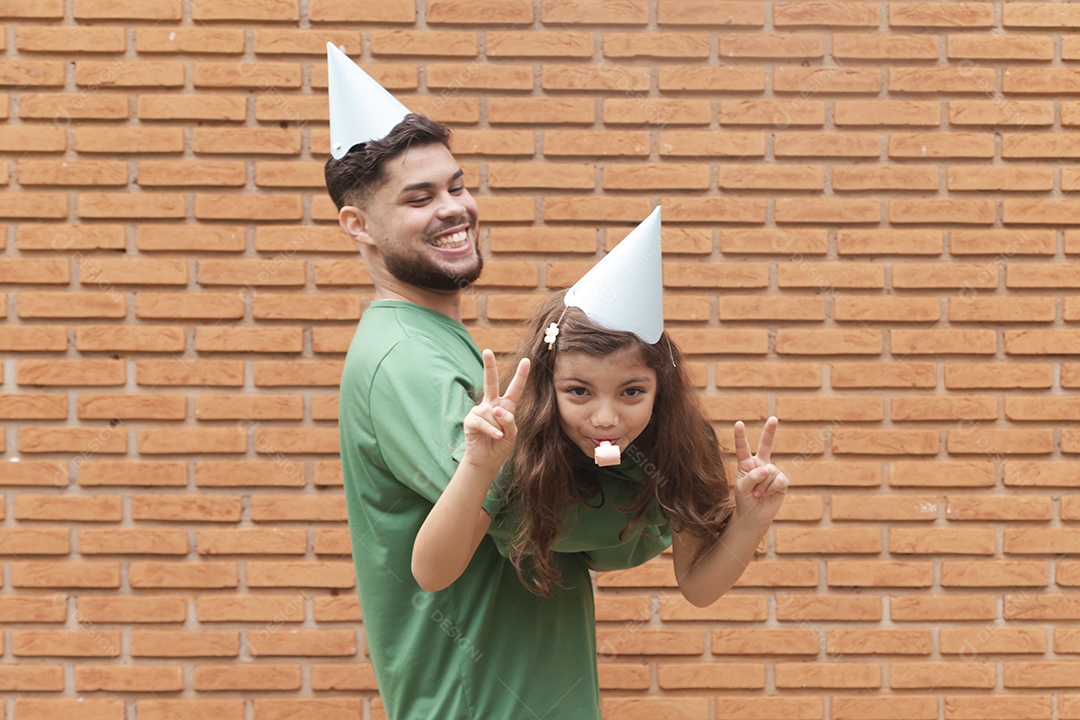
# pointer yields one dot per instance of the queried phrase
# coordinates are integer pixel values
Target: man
(410, 377)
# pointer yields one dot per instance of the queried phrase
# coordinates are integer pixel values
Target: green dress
(485, 647)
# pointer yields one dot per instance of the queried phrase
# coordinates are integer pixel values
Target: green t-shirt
(485, 647)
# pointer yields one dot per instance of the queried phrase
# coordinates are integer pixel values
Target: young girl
(554, 507)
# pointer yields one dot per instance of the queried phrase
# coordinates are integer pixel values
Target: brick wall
(867, 209)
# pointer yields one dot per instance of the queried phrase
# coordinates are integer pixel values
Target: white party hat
(361, 110)
(625, 290)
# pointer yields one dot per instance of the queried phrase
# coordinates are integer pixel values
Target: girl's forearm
(719, 567)
(447, 540)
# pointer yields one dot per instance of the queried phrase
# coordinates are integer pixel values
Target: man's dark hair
(359, 174)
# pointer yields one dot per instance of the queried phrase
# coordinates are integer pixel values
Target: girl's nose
(604, 417)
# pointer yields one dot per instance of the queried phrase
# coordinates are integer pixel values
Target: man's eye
(457, 190)
(419, 200)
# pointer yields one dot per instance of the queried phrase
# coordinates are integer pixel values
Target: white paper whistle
(361, 110)
(625, 290)
(607, 454)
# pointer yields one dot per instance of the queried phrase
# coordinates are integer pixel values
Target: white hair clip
(550, 335)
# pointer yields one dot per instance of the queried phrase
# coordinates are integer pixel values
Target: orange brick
(47, 236)
(1038, 145)
(836, 474)
(130, 205)
(62, 107)
(931, 407)
(191, 440)
(142, 609)
(989, 112)
(828, 541)
(828, 342)
(607, 76)
(708, 78)
(827, 675)
(656, 111)
(86, 172)
(941, 80)
(200, 709)
(222, 108)
(274, 508)
(26, 406)
(251, 608)
(157, 10)
(752, 307)
(153, 574)
(1037, 541)
(927, 675)
(886, 177)
(47, 709)
(662, 45)
(974, 439)
(187, 305)
(886, 112)
(300, 574)
(1002, 309)
(851, 573)
(103, 508)
(1011, 375)
(31, 73)
(886, 309)
(201, 373)
(35, 473)
(19, 271)
(159, 678)
(893, 507)
(98, 73)
(887, 641)
(72, 40)
(108, 338)
(216, 238)
(254, 677)
(786, 241)
(884, 707)
(509, 12)
(27, 541)
(87, 440)
(32, 678)
(810, 144)
(802, 608)
(34, 9)
(712, 675)
(778, 45)
(893, 46)
(804, 13)
(942, 342)
(273, 11)
(225, 473)
(826, 79)
(932, 14)
(64, 372)
(994, 573)
(65, 575)
(274, 373)
(252, 75)
(1006, 179)
(788, 176)
(703, 144)
(196, 40)
(276, 541)
(972, 641)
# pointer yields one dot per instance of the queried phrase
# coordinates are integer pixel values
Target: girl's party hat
(625, 290)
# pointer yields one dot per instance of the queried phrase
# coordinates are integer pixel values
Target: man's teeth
(450, 241)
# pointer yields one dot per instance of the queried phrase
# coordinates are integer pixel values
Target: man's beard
(419, 271)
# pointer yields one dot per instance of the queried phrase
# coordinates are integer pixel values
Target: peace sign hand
(760, 486)
(490, 429)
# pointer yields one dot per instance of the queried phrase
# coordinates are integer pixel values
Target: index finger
(491, 377)
(765, 444)
(517, 383)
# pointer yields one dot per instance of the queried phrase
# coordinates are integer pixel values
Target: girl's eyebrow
(635, 380)
(581, 381)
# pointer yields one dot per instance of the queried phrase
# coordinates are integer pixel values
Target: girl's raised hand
(760, 486)
(490, 429)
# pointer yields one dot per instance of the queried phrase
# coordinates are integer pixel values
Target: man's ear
(354, 221)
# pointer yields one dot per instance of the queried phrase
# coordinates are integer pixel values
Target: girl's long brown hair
(678, 449)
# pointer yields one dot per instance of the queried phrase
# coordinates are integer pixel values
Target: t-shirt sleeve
(419, 399)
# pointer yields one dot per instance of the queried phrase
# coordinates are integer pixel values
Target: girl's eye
(577, 391)
(634, 392)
